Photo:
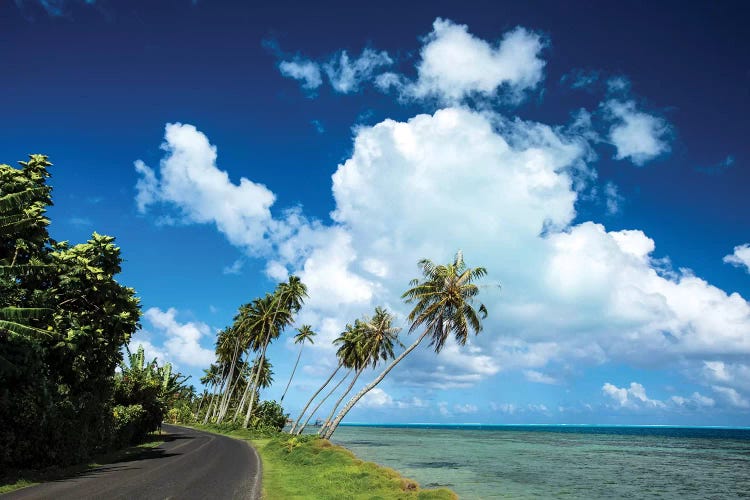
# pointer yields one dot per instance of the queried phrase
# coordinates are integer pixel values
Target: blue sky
(593, 159)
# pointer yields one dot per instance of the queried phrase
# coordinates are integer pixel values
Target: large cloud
(503, 191)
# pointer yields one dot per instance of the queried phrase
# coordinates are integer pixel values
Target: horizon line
(477, 424)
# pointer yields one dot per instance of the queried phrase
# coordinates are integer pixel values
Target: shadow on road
(133, 454)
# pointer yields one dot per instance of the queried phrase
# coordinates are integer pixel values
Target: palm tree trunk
(255, 382)
(225, 407)
(371, 386)
(241, 406)
(221, 391)
(346, 375)
(292, 375)
(200, 404)
(210, 403)
(227, 394)
(333, 410)
(291, 431)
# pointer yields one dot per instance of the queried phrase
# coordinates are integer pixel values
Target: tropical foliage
(63, 322)
(144, 391)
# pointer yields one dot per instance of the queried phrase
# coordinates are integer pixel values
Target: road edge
(256, 489)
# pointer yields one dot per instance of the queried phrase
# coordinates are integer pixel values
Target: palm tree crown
(444, 301)
(304, 334)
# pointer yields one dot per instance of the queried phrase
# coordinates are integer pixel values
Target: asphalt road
(190, 464)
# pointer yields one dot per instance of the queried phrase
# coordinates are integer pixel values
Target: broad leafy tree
(63, 322)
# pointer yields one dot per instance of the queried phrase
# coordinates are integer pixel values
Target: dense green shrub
(131, 423)
(268, 415)
(63, 321)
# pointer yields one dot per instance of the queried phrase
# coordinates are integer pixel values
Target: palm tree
(305, 334)
(212, 377)
(277, 312)
(377, 339)
(263, 370)
(287, 301)
(258, 322)
(346, 355)
(352, 355)
(444, 305)
(227, 351)
(312, 398)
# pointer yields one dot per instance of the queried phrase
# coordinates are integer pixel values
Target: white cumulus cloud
(740, 257)
(190, 180)
(637, 136)
(456, 64)
(182, 341)
(453, 65)
(631, 397)
(732, 396)
(376, 398)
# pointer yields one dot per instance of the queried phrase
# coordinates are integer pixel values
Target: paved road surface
(189, 465)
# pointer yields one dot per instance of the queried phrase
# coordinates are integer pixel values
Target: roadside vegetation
(310, 467)
(65, 391)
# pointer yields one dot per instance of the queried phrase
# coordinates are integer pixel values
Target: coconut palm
(353, 356)
(258, 321)
(227, 352)
(272, 314)
(305, 334)
(345, 354)
(444, 305)
(211, 378)
(262, 370)
(378, 337)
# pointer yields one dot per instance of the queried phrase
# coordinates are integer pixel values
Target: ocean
(557, 461)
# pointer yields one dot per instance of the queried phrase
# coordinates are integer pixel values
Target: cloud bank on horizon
(502, 189)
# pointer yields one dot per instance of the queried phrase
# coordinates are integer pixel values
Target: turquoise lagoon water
(562, 461)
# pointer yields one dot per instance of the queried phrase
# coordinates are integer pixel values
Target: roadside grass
(310, 467)
(16, 479)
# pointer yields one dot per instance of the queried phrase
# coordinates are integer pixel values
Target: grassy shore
(307, 467)
(17, 479)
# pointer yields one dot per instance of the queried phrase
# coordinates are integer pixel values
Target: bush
(181, 414)
(132, 424)
(269, 416)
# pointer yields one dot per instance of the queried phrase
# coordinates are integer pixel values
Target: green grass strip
(308, 467)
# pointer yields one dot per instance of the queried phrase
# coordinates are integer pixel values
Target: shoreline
(309, 467)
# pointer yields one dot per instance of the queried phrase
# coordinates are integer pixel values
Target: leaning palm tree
(343, 354)
(227, 352)
(377, 339)
(305, 334)
(444, 306)
(352, 353)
